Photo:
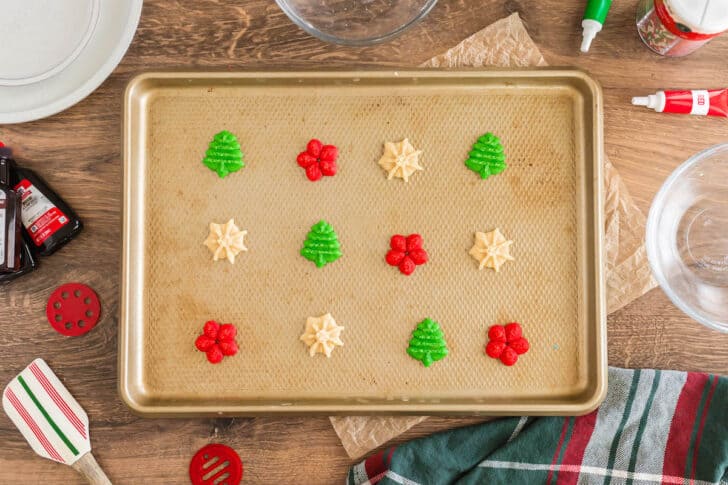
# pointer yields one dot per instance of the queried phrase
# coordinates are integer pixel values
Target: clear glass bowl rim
(308, 28)
(651, 237)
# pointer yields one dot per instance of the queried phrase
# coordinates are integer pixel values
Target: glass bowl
(355, 22)
(687, 237)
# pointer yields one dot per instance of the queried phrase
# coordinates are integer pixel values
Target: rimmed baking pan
(548, 201)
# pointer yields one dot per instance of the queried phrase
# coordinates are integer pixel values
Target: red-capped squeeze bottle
(10, 239)
(49, 222)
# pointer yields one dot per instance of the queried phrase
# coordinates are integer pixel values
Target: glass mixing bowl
(355, 22)
(687, 237)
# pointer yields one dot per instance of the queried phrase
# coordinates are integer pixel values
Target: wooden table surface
(78, 152)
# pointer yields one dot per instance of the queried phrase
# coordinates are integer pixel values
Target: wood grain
(78, 152)
(90, 470)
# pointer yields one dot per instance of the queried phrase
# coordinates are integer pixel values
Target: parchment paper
(506, 43)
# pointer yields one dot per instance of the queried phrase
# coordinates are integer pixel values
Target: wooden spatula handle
(90, 470)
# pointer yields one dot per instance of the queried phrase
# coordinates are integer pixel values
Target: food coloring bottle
(28, 263)
(49, 222)
(10, 232)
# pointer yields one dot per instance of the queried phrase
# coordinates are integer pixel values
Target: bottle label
(40, 216)
(701, 102)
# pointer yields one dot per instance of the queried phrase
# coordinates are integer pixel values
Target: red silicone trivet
(213, 462)
(73, 309)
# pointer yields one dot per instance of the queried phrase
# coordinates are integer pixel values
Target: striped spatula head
(50, 419)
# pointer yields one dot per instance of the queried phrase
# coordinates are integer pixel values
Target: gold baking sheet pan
(548, 201)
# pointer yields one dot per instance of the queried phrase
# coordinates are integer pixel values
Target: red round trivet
(217, 341)
(213, 462)
(318, 160)
(73, 309)
(506, 343)
(406, 253)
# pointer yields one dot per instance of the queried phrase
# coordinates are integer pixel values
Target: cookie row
(400, 159)
(321, 246)
(322, 335)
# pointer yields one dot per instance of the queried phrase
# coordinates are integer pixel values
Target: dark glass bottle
(28, 263)
(10, 235)
(49, 222)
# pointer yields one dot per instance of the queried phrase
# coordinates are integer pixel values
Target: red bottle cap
(73, 309)
(214, 461)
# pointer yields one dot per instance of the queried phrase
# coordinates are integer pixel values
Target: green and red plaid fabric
(654, 426)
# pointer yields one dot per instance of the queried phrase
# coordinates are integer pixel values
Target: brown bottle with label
(10, 235)
(49, 222)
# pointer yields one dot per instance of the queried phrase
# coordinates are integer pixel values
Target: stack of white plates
(54, 53)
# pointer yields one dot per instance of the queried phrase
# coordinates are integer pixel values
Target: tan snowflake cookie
(322, 335)
(225, 241)
(400, 159)
(491, 249)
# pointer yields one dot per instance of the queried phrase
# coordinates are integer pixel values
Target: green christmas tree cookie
(487, 157)
(223, 155)
(427, 343)
(321, 245)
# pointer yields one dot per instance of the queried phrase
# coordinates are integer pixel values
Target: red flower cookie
(318, 160)
(217, 341)
(506, 343)
(406, 253)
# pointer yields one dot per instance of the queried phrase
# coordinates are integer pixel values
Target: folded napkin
(654, 426)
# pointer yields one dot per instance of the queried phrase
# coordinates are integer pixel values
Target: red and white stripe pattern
(32, 425)
(60, 401)
(50, 419)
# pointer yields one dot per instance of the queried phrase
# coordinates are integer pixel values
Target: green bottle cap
(594, 17)
(597, 10)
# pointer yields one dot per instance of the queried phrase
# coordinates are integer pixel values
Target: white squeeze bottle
(594, 16)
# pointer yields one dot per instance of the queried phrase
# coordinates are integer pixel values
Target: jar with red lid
(677, 28)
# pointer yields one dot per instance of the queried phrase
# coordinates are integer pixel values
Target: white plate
(55, 53)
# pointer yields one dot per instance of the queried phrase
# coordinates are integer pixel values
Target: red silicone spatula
(51, 420)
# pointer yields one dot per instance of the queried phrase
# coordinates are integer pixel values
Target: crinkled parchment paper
(506, 43)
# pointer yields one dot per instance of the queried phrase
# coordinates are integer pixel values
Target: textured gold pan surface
(548, 202)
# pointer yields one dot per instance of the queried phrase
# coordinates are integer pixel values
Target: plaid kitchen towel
(654, 426)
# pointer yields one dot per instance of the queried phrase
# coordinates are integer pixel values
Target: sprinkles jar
(678, 27)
